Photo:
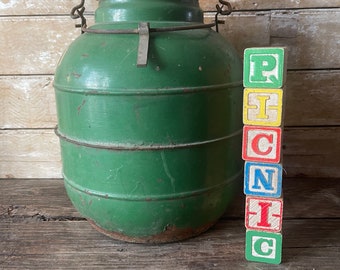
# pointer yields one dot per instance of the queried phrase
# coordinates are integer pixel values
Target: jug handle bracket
(143, 47)
(221, 11)
(78, 12)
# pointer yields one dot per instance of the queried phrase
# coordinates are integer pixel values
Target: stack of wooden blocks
(263, 79)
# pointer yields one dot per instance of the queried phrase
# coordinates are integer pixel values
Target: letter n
(262, 179)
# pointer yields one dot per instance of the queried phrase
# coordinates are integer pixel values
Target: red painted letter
(255, 144)
(264, 214)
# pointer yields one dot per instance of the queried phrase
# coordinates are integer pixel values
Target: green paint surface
(264, 67)
(263, 247)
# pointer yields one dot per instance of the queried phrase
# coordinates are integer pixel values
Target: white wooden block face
(261, 144)
(262, 107)
(263, 247)
(263, 214)
(262, 179)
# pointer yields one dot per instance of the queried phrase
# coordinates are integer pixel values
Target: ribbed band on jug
(148, 10)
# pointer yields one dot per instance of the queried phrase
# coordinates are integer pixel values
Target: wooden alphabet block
(263, 214)
(262, 179)
(264, 67)
(262, 107)
(263, 247)
(261, 144)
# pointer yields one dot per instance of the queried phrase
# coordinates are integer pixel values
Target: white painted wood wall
(33, 35)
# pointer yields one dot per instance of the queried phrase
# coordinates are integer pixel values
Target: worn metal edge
(149, 198)
(149, 92)
(169, 235)
(141, 147)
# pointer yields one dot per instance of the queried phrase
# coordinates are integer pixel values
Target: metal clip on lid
(144, 28)
(143, 47)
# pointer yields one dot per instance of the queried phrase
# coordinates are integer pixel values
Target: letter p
(261, 66)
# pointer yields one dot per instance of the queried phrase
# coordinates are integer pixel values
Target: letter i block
(262, 107)
(264, 67)
(261, 144)
(262, 179)
(263, 247)
(263, 214)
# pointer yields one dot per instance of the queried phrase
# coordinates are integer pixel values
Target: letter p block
(264, 67)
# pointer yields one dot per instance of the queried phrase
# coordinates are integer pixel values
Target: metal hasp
(221, 11)
(144, 28)
(150, 154)
(143, 46)
(78, 12)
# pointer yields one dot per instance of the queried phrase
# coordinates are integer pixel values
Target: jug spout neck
(148, 11)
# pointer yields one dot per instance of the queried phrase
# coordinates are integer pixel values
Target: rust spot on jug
(170, 233)
(76, 75)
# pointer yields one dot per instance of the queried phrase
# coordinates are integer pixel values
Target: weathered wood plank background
(39, 228)
(34, 35)
(41, 233)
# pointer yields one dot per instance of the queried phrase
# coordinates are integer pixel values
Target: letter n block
(262, 107)
(263, 247)
(262, 179)
(263, 214)
(261, 144)
(264, 67)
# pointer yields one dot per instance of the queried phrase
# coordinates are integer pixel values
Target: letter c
(256, 141)
(258, 246)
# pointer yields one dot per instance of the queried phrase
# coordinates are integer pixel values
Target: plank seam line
(235, 11)
(52, 74)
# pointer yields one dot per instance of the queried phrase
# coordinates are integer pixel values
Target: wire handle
(221, 11)
(78, 12)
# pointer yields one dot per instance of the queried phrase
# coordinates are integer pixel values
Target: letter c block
(263, 247)
(261, 144)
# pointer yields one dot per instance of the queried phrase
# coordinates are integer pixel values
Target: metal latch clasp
(143, 47)
(144, 29)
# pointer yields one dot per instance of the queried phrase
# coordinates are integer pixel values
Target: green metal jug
(149, 104)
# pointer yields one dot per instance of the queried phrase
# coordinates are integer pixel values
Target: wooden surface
(41, 230)
(209, 5)
(310, 36)
(36, 33)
